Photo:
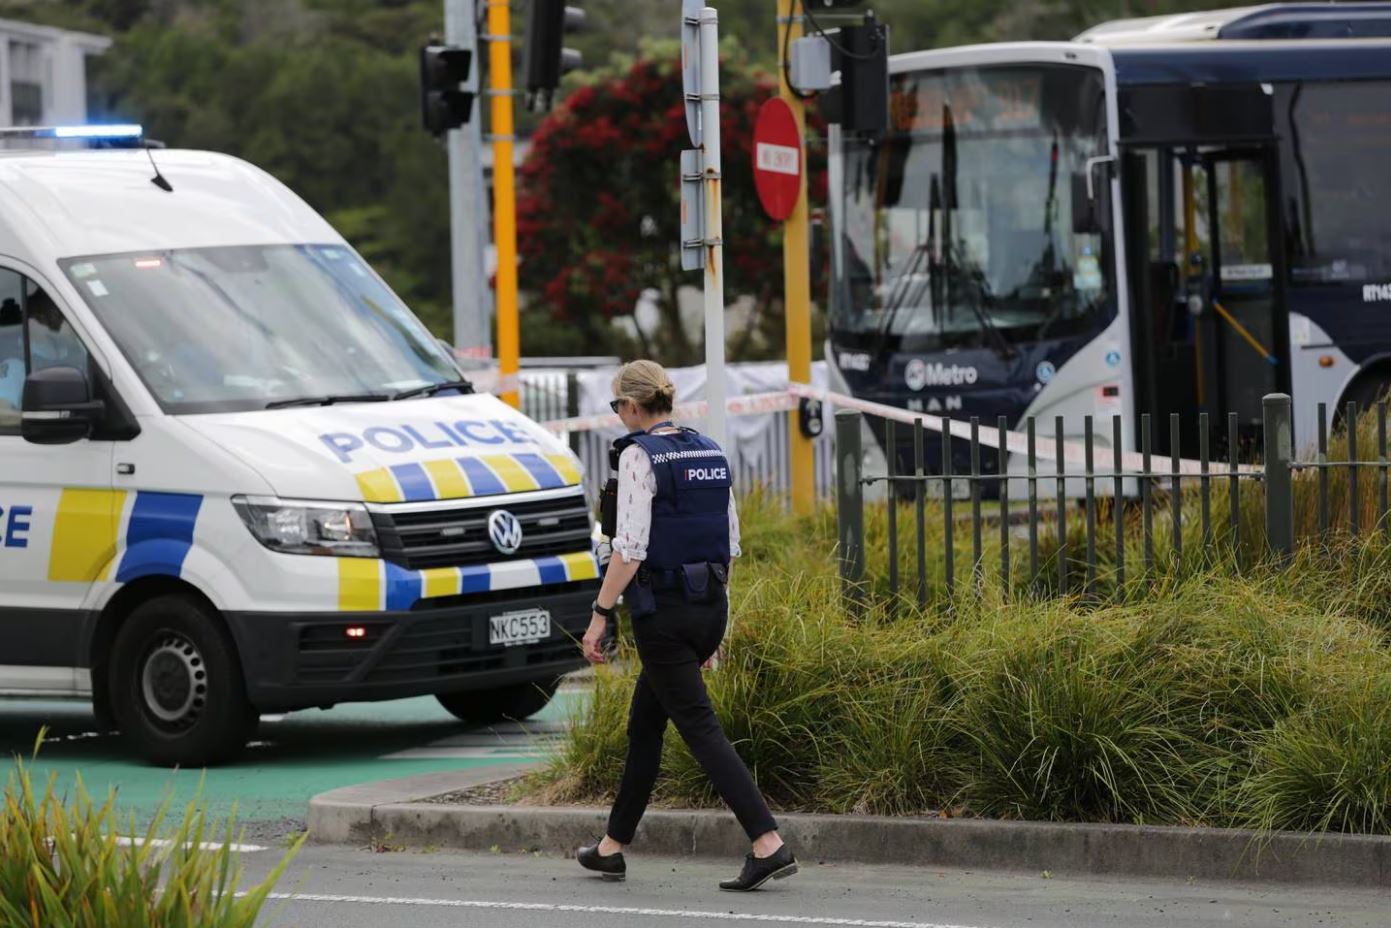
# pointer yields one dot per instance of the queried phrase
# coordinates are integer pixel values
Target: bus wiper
(329, 400)
(990, 330)
(899, 291)
(430, 389)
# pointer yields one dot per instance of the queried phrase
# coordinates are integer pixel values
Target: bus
(1174, 214)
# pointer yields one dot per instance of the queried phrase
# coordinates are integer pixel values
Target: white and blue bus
(1173, 214)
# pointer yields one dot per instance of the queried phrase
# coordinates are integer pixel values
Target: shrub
(63, 865)
(1204, 696)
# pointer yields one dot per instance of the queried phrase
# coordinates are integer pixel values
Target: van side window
(33, 336)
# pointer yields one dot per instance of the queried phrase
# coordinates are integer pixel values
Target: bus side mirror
(1086, 219)
(1094, 186)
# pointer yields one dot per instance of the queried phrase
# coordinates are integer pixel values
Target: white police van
(238, 476)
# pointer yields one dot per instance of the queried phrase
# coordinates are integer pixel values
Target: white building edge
(43, 73)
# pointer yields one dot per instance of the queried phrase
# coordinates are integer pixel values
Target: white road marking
(469, 753)
(607, 910)
(486, 746)
(124, 841)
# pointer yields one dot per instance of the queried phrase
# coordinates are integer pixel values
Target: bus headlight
(290, 526)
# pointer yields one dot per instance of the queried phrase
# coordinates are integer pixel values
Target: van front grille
(457, 536)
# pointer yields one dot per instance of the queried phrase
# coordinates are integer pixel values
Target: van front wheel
(485, 707)
(176, 685)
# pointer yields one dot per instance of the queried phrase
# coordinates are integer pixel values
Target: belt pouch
(695, 583)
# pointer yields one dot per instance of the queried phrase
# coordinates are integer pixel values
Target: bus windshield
(965, 223)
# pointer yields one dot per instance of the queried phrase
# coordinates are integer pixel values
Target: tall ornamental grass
(63, 865)
(1214, 692)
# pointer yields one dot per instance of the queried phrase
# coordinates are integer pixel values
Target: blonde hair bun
(645, 383)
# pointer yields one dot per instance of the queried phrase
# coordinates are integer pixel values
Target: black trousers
(673, 644)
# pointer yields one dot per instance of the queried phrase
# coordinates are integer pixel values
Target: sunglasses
(615, 404)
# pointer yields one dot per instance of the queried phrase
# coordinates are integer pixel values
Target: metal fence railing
(1125, 497)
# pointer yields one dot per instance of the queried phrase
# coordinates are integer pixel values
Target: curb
(389, 809)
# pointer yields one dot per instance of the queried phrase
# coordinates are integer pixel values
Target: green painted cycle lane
(295, 756)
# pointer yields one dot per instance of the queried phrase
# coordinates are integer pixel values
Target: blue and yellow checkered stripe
(458, 478)
(366, 585)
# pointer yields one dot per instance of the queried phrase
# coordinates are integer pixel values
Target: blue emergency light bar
(99, 132)
(89, 133)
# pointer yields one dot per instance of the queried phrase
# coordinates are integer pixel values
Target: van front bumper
(294, 661)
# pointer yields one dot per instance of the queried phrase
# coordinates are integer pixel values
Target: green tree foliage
(599, 215)
(323, 94)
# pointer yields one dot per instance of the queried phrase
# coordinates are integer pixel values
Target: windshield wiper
(329, 400)
(430, 389)
(988, 328)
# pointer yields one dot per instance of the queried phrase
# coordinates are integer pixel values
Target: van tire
(176, 685)
(486, 707)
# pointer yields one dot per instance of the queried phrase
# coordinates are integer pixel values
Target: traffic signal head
(444, 105)
(546, 56)
(861, 54)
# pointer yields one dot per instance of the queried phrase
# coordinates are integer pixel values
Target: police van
(238, 476)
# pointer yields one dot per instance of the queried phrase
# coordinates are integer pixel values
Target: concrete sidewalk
(392, 812)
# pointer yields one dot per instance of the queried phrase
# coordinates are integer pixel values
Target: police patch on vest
(713, 474)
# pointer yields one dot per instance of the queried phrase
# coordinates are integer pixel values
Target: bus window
(1336, 183)
(1244, 234)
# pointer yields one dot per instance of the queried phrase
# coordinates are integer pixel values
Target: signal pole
(499, 40)
(796, 272)
(714, 223)
(468, 209)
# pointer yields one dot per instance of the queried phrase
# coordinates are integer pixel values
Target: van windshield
(240, 328)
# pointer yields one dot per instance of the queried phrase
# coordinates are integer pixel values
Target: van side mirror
(58, 407)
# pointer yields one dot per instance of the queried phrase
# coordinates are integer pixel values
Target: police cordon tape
(1045, 449)
(753, 404)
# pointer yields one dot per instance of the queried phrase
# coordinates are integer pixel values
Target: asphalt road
(295, 757)
(359, 888)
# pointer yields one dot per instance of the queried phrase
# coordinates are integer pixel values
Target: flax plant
(1218, 689)
(64, 864)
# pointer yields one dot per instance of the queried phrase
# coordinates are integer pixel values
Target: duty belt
(659, 580)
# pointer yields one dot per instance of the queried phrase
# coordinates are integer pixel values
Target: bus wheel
(1366, 391)
(176, 685)
(485, 707)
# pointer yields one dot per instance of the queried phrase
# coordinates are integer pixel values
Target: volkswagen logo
(505, 530)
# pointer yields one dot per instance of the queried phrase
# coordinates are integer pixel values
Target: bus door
(1210, 322)
(1234, 287)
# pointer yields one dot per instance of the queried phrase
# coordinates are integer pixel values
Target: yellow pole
(504, 196)
(797, 280)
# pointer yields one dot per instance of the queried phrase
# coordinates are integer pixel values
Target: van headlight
(291, 526)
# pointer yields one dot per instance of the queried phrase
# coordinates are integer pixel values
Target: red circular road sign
(777, 159)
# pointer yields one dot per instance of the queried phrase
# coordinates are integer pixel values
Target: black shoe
(759, 870)
(611, 868)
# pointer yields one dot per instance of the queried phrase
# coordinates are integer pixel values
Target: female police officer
(676, 532)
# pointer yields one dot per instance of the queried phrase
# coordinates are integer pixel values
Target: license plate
(524, 627)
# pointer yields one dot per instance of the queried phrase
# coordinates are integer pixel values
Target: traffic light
(861, 55)
(546, 57)
(443, 104)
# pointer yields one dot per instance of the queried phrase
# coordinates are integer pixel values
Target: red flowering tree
(598, 210)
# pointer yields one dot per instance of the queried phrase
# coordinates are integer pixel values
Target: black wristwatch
(606, 613)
